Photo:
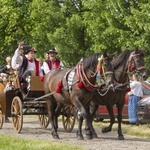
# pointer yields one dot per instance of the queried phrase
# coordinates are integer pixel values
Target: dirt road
(31, 130)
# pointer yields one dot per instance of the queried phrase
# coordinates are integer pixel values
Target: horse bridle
(132, 66)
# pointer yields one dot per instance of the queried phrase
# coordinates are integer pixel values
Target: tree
(14, 19)
(76, 28)
(117, 25)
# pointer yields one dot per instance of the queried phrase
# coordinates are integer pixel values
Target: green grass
(10, 143)
(142, 130)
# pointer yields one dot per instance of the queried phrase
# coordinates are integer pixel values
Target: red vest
(37, 67)
(56, 62)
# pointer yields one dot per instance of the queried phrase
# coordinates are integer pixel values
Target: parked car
(143, 107)
(143, 110)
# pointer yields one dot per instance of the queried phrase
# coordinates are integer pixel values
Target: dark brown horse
(129, 61)
(75, 87)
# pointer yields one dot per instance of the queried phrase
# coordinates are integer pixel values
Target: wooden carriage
(14, 104)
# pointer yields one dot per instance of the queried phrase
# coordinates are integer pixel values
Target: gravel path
(109, 141)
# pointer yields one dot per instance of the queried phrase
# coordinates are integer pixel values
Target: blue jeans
(132, 108)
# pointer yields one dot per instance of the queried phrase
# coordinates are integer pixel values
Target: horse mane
(121, 58)
(91, 60)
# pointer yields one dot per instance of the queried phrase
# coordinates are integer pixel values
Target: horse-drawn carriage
(14, 104)
(80, 94)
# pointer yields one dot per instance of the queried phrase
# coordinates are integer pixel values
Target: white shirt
(136, 89)
(17, 61)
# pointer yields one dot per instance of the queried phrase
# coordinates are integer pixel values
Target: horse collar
(83, 80)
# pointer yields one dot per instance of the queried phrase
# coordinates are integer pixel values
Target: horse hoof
(56, 137)
(89, 137)
(95, 136)
(103, 130)
(121, 137)
(80, 138)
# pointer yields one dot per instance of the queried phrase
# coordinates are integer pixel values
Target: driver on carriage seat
(52, 62)
(26, 64)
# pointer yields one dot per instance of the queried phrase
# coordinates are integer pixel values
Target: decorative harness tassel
(59, 88)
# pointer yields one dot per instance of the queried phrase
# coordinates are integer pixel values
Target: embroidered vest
(57, 64)
(24, 65)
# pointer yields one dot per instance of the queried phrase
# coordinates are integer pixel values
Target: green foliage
(76, 28)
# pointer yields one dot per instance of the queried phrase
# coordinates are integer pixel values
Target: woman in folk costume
(26, 64)
(135, 95)
(52, 62)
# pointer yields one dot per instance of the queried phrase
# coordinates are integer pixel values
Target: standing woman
(135, 95)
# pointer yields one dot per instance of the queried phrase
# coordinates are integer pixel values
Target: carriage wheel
(17, 114)
(44, 121)
(1, 119)
(68, 118)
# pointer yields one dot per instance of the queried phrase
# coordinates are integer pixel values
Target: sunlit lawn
(142, 130)
(10, 143)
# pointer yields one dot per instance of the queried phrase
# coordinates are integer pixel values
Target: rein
(86, 79)
(103, 94)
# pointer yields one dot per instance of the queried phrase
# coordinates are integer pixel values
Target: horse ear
(137, 49)
(105, 54)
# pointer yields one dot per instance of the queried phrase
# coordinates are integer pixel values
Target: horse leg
(119, 117)
(88, 121)
(112, 119)
(57, 113)
(93, 108)
(79, 131)
(53, 118)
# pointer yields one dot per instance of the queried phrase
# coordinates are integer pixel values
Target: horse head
(106, 69)
(136, 64)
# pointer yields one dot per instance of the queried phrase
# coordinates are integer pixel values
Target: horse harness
(82, 81)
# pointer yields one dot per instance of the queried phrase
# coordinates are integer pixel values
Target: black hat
(29, 50)
(26, 47)
(53, 50)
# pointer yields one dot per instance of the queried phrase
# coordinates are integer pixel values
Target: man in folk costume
(52, 62)
(26, 64)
